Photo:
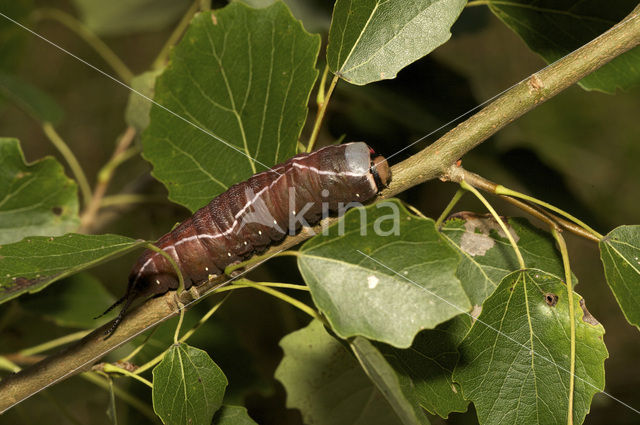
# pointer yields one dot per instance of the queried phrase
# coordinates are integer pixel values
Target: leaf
(36, 198)
(30, 99)
(74, 304)
(188, 386)
(407, 284)
(33, 263)
(424, 371)
(325, 382)
(233, 415)
(514, 362)
(372, 40)
(137, 111)
(487, 255)
(399, 393)
(13, 37)
(125, 17)
(620, 255)
(213, 336)
(239, 81)
(554, 29)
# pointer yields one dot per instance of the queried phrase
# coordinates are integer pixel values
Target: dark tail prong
(111, 307)
(129, 299)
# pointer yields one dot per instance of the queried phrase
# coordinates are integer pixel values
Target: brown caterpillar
(254, 214)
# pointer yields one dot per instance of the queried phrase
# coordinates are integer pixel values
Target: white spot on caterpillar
(259, 232)
(372, 281)
(245, 242)
(229, 254)
(357, 195)
(206, 269)
(157, 282)
(275, 222)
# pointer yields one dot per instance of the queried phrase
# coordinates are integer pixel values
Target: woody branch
(432, 162)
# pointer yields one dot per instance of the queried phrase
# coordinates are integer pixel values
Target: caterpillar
(252, 215)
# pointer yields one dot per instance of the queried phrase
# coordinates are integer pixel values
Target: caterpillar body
(252, 215)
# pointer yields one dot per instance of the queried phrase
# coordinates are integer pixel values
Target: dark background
(579, 151)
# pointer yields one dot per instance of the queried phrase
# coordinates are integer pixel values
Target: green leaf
(555, 28)
(36, 198)
(30, 99)
(188, 386)
(407, 284)
(14, 38)
(515, 361)
(233, 415)
(125, 17)
(398, 392)
(241, 77)
(325, 382)
(372, 40)
(137, 112)
(74, 304)
(487, 255)
(424, 371)
(33, 263)
(620, 254)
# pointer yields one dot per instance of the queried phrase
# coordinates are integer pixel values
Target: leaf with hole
(35, 199)
(487, 255)
(234, 99)
(620, 255)
(371, 40)
(515, 361)
(384, 274)
(324, 381)
(188, 386)
(35, 262)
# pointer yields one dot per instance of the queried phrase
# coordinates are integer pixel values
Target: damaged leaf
(487, 255)
(36, 198)
(35, 262)
(514, 362)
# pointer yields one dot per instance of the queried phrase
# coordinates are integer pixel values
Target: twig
(430, 163)
(501, 190)
(89, 37)
(323, 102)
(131, 199)
(119, 155)
(457, 174)
(530, 93)
(160, 60)
(507, 233)
(71, 159)
(572, 320)
(264, 288)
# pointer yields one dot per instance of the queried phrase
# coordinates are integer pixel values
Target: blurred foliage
(578, 151)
